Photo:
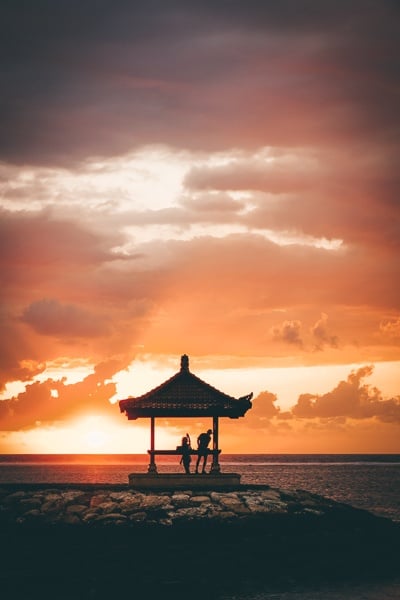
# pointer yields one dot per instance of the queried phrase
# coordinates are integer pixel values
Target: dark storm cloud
(99, 77)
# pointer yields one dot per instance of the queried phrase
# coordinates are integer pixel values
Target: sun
(95, 440)
(93, 433)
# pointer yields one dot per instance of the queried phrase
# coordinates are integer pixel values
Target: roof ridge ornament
(184, 362)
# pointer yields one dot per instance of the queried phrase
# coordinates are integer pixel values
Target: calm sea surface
(371, 482)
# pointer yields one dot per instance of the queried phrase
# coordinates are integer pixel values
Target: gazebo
(185, 395)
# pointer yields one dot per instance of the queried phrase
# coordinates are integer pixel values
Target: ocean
(366, 481)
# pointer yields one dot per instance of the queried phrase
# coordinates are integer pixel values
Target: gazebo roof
(185, 395)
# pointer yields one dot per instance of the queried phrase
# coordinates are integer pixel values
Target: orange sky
(203, 179)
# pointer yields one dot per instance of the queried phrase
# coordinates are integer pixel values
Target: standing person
(202, 449)
(186, 450)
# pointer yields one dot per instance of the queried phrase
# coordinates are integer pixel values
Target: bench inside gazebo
(184, 395)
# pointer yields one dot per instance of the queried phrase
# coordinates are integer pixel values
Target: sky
(212, 178)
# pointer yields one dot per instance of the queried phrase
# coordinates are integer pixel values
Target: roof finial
(184, 362)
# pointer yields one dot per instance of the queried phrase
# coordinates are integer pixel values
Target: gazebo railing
(215, 468)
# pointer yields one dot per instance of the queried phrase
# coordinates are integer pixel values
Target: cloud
(288, 331)
(321, 334)
(215, 203)
(19, 360)
(390, 327)
(73, 281)
(39, 403)
(64, 283)
(270, 173)
(35, 238)
(350, 399)
(353, 417)
(262, 411)
(298, 190)
(50, 317)
(194, 75)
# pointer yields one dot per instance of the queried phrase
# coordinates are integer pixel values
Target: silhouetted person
(202, 449)
(186, 449)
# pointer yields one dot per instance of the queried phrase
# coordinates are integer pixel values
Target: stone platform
(182, 481)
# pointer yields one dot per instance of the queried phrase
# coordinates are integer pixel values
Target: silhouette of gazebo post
(185, 395)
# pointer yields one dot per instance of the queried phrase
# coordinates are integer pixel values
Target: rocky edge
(129, 507)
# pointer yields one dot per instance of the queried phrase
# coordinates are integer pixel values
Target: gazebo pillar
(152, 466)
(215, 468)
